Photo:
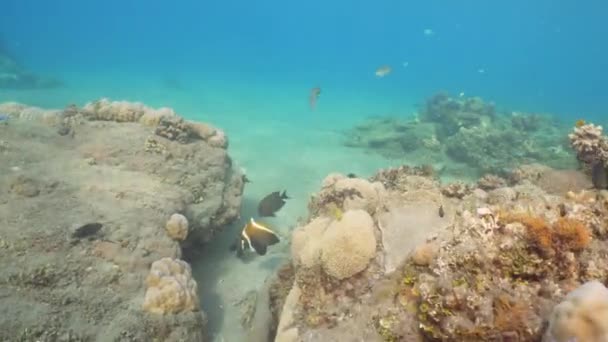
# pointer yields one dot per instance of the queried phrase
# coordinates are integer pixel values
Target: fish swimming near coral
(254, 237)
(599, 176)
(313, 97)
(272, 203)
(383, 71)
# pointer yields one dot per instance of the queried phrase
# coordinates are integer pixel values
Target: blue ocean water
(542, 55)
(248, 66)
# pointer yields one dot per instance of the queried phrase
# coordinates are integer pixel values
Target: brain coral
(171, 288)
(348, 245)
(582, 316)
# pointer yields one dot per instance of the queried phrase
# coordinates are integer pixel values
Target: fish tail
(284, 195)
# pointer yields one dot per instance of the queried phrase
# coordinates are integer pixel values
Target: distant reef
(467, 131)
(98, 205)
(13, 75)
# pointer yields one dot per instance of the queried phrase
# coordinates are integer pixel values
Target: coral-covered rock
(124, 177)
(170, 288)
(491, 182)
(582, 316)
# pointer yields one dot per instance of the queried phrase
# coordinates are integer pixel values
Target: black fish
(87, 230)
(270, 204)
(598, 176)
(351, 175)
(254, 237)
(441, 211)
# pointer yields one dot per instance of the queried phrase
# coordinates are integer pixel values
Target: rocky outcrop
(133, 196)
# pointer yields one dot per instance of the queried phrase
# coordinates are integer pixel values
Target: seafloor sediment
(129, 168)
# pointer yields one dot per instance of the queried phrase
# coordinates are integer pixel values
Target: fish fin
(284, 195)
(261, 250)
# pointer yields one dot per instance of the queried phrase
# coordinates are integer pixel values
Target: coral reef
(170, 288)
(469, 131)
(56, 285)
(492, 266)
(454, 114)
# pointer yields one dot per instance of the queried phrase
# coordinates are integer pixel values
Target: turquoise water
(247, 67)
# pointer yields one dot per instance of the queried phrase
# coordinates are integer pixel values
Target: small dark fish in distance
(351, 175)
(313, 97)
(599, 177)
(245, 179)
(441, 211)
(272, 203)
(87, 230)
(254, 237)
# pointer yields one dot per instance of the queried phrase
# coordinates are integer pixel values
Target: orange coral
(571, 234)
(539, 232)
(564, 234)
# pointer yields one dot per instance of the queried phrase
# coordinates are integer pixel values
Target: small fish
(254, 237)
(562, 209)
(599, 176)
(245, 179)
(351, 175)
(579, 123)
(383, 71)
(87, 230)
(270, 204)
(441, 212)
(313, 97)
(428, 32)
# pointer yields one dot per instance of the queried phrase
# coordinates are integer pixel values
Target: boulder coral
(177, 227)
(342, 247)
(170, 288)
(348, 244)
(582, 316)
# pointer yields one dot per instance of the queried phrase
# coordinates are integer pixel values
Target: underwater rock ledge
(97, 204)
(453, 262)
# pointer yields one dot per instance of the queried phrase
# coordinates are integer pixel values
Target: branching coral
(590, 144)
